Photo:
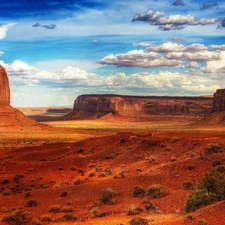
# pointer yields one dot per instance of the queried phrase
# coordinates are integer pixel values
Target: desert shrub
(174, 139)
(80, 150)
(139, 191)
(6, 192)
(122, 140)
(4, 181)
(188, 185)
(211, 188)
(67, 210)
(32, 203)
(149, 206)
(111, 155)
(216, 163)
(173, 159)
(133, 210)
(18, 218)
(155, 191)
(36, 222)
(107, 195)
(73, 168)
(55, 209)
(95, 212)
(190, 167)
(46, 219)
(138, 221)
(64, 194)
(202, 222)
(213, 148)
(67, 217)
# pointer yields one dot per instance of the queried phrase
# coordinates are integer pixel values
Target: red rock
(4, 88)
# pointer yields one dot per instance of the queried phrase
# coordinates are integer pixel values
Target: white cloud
(173, 22)
(4, 29)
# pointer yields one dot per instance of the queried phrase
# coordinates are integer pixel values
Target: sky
(56, 50)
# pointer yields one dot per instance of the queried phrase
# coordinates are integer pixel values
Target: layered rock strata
(96, 106)
(219, 101)
(9, 116)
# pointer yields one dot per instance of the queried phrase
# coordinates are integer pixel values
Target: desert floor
(56, 173)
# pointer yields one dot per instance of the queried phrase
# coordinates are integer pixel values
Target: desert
(96, 165)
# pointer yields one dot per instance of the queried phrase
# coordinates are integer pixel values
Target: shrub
(138, 221)
(95, 212)
(107, 195)
(139, 191)
(55, 209)
(18, 218)
(67, 210)
(133, 210)
(211, 188)
(32, 203)
(6, 192)
(64, 194)
(68, 217)
(46, 219)
(188, 185)
(202, 222)
(213, 148)
(155, 191)
(151, 206)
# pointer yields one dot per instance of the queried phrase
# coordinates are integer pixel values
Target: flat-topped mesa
(96, 106)
(219, 101)
(4, 88)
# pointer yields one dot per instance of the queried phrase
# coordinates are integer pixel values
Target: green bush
(211, 188)
(32, 203)
(133, 210)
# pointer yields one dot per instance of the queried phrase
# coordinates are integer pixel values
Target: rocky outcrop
(9, 116)
(219, 101)
(4, 88)
(96, 106)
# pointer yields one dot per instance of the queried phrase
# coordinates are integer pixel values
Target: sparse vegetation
(213, 148)
(64, 194)
(138, 221)
(16, 218)
(107, 196)
(155, 191)
(211, 188)
(32, 203)
(188, 185)
(139, 191)
(55, 209)
(134, 210)
(96, 212)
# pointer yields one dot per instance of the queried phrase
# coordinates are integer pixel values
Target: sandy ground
(55, 173)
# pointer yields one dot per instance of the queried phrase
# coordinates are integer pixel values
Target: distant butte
(9, 116)
(97, 106)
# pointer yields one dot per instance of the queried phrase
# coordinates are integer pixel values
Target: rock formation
(9, 116)
(96, 106)
(219, 101)
(4, 88)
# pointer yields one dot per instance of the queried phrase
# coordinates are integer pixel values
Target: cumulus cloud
(49, 27)
(4, 28)
(173, 22)
(139, 58)
(165, 55)
(177, 3)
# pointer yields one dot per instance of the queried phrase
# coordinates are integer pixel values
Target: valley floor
(66, 171)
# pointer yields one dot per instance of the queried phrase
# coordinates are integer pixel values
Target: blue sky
(55, 50)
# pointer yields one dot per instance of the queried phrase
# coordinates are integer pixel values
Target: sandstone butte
(96, 106)
(9, 116)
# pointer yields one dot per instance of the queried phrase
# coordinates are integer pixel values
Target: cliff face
(9, 116)
(4, 88)
(95, 106)
(219, 101)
